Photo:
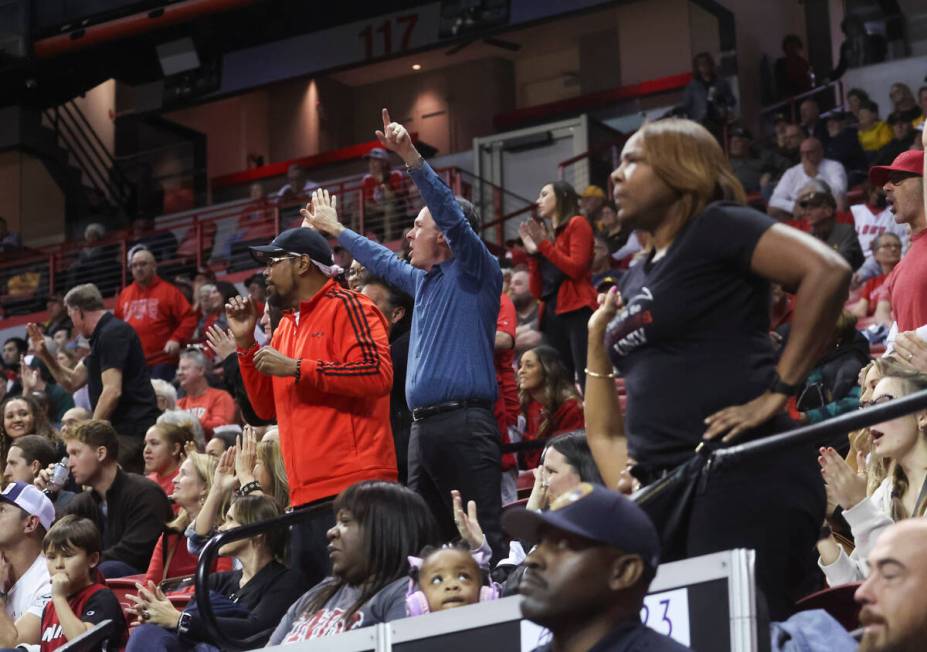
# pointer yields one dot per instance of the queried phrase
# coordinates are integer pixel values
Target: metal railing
(208, 558)
(792, 103)
(97, 164)
(219, 237)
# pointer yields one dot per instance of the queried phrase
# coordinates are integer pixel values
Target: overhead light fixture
(416, 66)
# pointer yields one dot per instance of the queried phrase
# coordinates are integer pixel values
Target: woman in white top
(900, 495)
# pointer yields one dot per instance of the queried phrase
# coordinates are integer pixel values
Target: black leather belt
(420, 414)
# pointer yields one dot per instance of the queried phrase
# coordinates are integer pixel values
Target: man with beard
(586, 578)
(326, 376)
(527, 334)
(894, 612)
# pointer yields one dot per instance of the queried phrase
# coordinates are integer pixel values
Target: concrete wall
(10, 187)
(30, 200)
(653, 37)
(760, 28)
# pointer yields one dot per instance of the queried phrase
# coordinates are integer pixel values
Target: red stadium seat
(837, 601)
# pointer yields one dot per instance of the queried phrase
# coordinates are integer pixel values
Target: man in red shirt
(158, 312)
(906, 299)
(326, 376)
(213, 407)
(507, 406)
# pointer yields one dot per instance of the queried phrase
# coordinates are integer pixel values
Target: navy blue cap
(595, 513)
(302, 241)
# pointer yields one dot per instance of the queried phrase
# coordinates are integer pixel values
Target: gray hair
(94, 227)
(184, 419)
(196, 356)
(165, 390)
(874, 245)
(84, 297)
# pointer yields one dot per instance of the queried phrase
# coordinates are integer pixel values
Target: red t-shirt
(907, 286)
(166, 482)
(507, 405)
(569, 417)
(213, 407)
(873, 291)
(93, 604)
(181, 563)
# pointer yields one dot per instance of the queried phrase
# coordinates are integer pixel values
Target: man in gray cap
(587, 576)
(325, 376)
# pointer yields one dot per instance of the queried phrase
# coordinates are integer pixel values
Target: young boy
(72, 548)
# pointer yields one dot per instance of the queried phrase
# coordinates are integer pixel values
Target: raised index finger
(386, 118)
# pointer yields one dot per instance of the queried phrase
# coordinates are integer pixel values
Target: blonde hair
(689, 160)
(268, 453)
(205, 467)
(911, 382)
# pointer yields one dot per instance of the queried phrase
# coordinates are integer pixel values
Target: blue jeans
(154, 638)
(115, 568)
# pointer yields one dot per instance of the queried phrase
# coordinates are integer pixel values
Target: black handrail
(208, 557)
(817, 432)
(813, 433)
(79, 150)
(120, 181)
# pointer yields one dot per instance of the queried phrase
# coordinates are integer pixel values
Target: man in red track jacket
(159, 313)
(326, 375)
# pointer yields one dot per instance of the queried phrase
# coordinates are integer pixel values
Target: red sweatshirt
(334, 423)
(158, 313)
(539, 425)
(213, 407)
(571, 253)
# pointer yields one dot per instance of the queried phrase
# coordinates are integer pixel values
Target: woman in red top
(560, 268)
(164, 451)
(190, 486)
(548, 399)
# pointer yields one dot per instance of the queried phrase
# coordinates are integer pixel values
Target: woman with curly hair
(549, 400)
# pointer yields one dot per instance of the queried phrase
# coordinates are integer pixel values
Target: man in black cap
(902, 138)
(326, 377)
(587, 576)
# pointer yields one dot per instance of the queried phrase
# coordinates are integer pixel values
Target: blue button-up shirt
(456, 303)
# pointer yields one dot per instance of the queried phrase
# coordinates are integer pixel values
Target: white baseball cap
(30, 500)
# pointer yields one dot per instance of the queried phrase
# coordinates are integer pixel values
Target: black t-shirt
(693, 336)
(115, 345)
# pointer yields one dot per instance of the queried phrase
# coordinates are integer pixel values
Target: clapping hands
(844, 487)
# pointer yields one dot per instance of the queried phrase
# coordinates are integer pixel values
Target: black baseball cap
(301, 241)
(595, 513)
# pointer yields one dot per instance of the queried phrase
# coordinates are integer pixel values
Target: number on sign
(371, 49)
(669, 623)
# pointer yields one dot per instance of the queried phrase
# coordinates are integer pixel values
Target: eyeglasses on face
(890, 245)
(273, 260)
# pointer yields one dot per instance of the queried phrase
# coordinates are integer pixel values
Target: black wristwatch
(779, 387)
(183, 623)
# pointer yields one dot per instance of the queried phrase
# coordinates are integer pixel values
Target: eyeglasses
(273, 260)
(811, 202)
(890, 246)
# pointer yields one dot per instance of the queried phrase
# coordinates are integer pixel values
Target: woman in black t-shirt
(691, 340)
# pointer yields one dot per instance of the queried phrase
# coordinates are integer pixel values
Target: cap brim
(879, 174)
(526, 525)
(263, 252)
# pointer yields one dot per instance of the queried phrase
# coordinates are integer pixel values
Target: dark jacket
(137, 510)
(843, 240)
(231, 376)
(266, 598)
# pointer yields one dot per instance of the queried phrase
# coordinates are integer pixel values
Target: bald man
(894, 596)
(159, 313)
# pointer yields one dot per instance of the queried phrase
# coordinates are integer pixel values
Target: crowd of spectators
(621, 334)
